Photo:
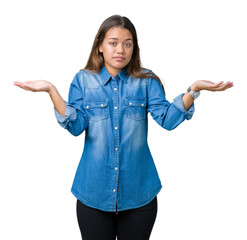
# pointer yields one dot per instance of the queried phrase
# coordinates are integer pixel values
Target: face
(117, 49)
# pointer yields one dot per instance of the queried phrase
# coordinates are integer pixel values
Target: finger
(221, 88)
(28, 83)
(229, 85)
(215, 86)
(22, 85)
(221, 83)
(224, 87)
(26, 88)
(17, 83)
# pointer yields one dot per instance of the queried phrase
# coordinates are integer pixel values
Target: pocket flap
(93, 104)
(136, 102)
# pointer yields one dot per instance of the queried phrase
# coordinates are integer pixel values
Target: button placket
(116, 139)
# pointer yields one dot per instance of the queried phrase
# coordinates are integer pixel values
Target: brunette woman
(116, 183)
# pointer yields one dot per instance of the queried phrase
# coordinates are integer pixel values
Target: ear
(100, 48)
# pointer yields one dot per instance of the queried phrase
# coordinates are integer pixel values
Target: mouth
(119, 59)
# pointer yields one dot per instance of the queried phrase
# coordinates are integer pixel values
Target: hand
(35, 86)
(210, 86)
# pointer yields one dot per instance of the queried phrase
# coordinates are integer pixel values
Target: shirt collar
(106, 76)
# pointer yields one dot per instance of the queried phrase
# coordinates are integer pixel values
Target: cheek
(130, 52)
(108, 52)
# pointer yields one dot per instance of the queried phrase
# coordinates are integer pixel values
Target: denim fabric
(116, 169)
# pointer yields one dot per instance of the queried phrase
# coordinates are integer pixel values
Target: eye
(128, 44)
(112, 43)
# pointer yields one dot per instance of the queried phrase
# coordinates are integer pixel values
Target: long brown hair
(134, 67)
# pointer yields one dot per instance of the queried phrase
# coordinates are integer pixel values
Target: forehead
(119, 33)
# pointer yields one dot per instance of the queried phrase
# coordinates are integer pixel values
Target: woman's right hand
(35, 86)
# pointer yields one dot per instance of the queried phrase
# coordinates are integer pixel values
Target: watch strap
(193, 93)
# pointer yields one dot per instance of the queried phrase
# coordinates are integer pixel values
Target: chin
(120, 65)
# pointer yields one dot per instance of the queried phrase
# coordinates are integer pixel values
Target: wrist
(195, 87)
(194, 91)
(51, 89)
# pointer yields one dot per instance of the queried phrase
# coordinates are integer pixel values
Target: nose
(120, 49)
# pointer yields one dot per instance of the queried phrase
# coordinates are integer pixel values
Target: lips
(119, 58)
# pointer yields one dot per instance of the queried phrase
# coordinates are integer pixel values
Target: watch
(192, 93)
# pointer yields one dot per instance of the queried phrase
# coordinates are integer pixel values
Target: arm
(70, 115)
(170, 115)
(75, 119)
(45, 86)
(204, 85)
(57, 100)
(167, 115)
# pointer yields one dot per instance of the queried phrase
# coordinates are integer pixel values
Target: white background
(201, 164)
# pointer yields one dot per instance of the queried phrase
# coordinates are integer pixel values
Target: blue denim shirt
(116, 170)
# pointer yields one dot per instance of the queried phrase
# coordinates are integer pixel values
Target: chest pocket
(96, 110)
(136, 108)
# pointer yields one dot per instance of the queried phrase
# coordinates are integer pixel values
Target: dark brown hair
(134, 67)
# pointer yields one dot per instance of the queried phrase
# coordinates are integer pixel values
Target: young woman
(116, 183)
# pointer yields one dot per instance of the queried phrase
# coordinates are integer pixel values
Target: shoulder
(150, 75)
(86, 72)
(83, 77)
(147, 71)
(154, 82)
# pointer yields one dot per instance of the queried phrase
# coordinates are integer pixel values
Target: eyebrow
(124, 40)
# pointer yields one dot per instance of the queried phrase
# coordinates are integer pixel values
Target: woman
(116, 183)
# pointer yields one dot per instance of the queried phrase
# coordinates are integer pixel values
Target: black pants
(133, 224)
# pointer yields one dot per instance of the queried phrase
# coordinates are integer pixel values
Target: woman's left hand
(210, 86)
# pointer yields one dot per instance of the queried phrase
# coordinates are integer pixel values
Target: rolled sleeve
(75, 120)
(70, 115)
(178, 102)
(166, 114)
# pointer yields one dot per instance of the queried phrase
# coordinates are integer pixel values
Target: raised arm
(70, 115)
(204, 85)
(45, 86)
(170, 115)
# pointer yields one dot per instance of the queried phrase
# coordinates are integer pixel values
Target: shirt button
(115, 89)
(116, 168)
(102, 105)
(115, 107)
(130, 103)
(115, 127)
(114, 190)
(142, 104)
(116, 149)
(87, 106)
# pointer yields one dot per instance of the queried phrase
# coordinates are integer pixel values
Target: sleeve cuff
(70, 115)
(178, 102)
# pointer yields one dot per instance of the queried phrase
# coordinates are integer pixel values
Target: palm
(211, 86)
(34, 86)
